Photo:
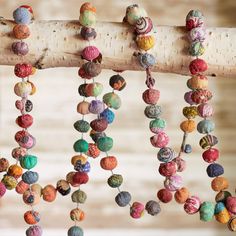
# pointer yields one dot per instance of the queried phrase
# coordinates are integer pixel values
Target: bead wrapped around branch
(54, 44)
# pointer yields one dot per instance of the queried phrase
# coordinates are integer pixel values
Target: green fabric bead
(94, 89)
(112, 100)
(81, 146)
(105, 144)
(79, 196)
(87, 18)
(28, 161)
(196, 49)
(82, 126)
(157, 125)
(115, 181)
(207, 211)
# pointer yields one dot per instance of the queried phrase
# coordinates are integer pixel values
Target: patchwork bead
(93, 151)
(208, 141)
(222, 196)
(77, 214)
(197, 66)
(80, 178)
(146, 60)
(88, 33)
(93, 89)
(87, 18)
(180, 164)
(197, 34)
(83, 108)
(231, 204)
(137, 210)
(232, 224)
(157, 125)
(30, 177)
(87, 6)
(190, 112)
(188, 126)
(168, 169)
(117, 82)
(91, 69)
(90, 53)
(17, 153)
(196, 49)
(9, 181)
(221, 213)
(99, 125)
(188, 97)
(201, 96)
(63, 187)
(197, 82)
(82, 126)
(205, 110)
(2, 189)
(219, 184)
(80, 145)
(143, 25)
(133, 13)
(15, 171)
(159, 140)
(24, 121)
(112, 100)
(192, 205)
(22, 16)
(211, 155)
(165, 154)
(31, 217)
(214, 170)
(22, 187)
(187, 148)
(22, 89)
(96, 107)
(4, 164)
(173, 182)
(82, 167)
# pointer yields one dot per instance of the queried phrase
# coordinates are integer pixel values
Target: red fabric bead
(24, 121)
(99, 125)
(168, 169)
(82, 74)
(210, 155)
(23, 70)
(164, 195)
(197, 66)
(20, 134)
(151, 96)
(80, 178)
(93, 150)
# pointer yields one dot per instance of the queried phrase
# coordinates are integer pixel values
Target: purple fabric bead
(96, 107)
(20, 48)
(188, 97)
(34, 230)
(22, 16)
(197, 34)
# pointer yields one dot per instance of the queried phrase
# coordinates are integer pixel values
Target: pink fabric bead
(160, 140)
(137, 210)
(197, 34)
(210, 155)
(22, 187)
(231, 204)
(151, 96)
(18, 152)
(168, 169)
(2, 189)
(181, 164)
(34, 230)
(205, 110)
(188, 98)
(197, 66)
(90, 53)
(193, 22)
(201, 96)
(173, 183)
(192, 205)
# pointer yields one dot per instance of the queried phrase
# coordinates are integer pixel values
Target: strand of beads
(23, 16)
(88, 71)
(225, 208)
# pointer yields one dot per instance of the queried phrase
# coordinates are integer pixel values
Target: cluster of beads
(23, 16)
(225, 208)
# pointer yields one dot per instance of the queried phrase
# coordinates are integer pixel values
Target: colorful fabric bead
(181, 195)
(231, 204)
(194, 19)
(21, 31)
(197, 34)
(77, 214)
(117, 82)
(108, 163)
(20, 48)
(196, 49)
(151, 96)
(192, 205)
(112, 100)
(70, 179)
(34, 230)
(208, 141)
(105, 144)
(93, 150)
(87, 6)
(164, 195)
(4, 164)
(214, 170)
(87, 18)
(82, 90)
(15, 171)
(81, 146)
(96, 135)
(207, 211)
(173, 182)
(9, 181)
(153, 111)
(79, 196)
(82, 126)
(49, 193)
(157, 125)
(88, 33)
(93, 89)
(166, 154)
(205, 110)
(232, 224)
(108, 114)
(145, 42)
(24, 121)
(2, 189)
(63, 187)
(190, 112)
(31, 217)
(168, 169)
(22, 16)
(180, 164)
(211, 155)
(137, 210)
(133, 13)
(146, 60)
(205, 126)
(222, 196)
(75, 231)
(143, 25)
(201, 96)
(31, 198)
(123, 198)
(115, 181)
(197, 82)
(82, 167)
(188, 97)
(17, 153)
(219, 184)
(99, 125)
(221, 213)
(22, 89)
(159, 140)
(153, 208)
(37, 188)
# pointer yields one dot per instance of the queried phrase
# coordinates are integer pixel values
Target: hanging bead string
(225, 208)
(23, 16)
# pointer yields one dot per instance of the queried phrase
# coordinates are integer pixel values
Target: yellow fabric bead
(145, 42)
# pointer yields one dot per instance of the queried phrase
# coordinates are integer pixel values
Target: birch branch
(58, 44)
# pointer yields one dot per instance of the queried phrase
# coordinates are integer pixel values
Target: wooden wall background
(55, 112)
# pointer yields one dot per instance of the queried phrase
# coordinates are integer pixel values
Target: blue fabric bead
(146, 60)
(30, 177)
(75, 231)
(187, 148)
(205, 126)
(22, 16)
(108, 115)
(123, 198)
(214, 170)
(82, 167)
(220, 206)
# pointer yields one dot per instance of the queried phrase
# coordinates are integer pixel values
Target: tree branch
(58, 44)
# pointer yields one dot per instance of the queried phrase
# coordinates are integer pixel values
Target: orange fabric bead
(83, 108)
(87, 6)
(77, 215)
(21, 31)
(31, 217)
(49, 193)
(15, 171)
(76, 158)
(188, 126)
(181, 195)
(219, 184)
(145, 42)
(93, 150)
(22, 187)
(108, 163)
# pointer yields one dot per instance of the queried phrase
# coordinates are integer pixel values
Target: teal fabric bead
(105, 144)
(28, 161)
(152, 111)
(207, 211)
(79, 196)
(205, 126)
(196, 49)
(75, 231)
(112, 100)
(82, 126)
(30, 177)
(115, 181)
(220, 206)
(194, 13)
(157, 125)
(81, 146)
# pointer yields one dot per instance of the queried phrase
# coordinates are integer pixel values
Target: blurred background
(55, 112)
